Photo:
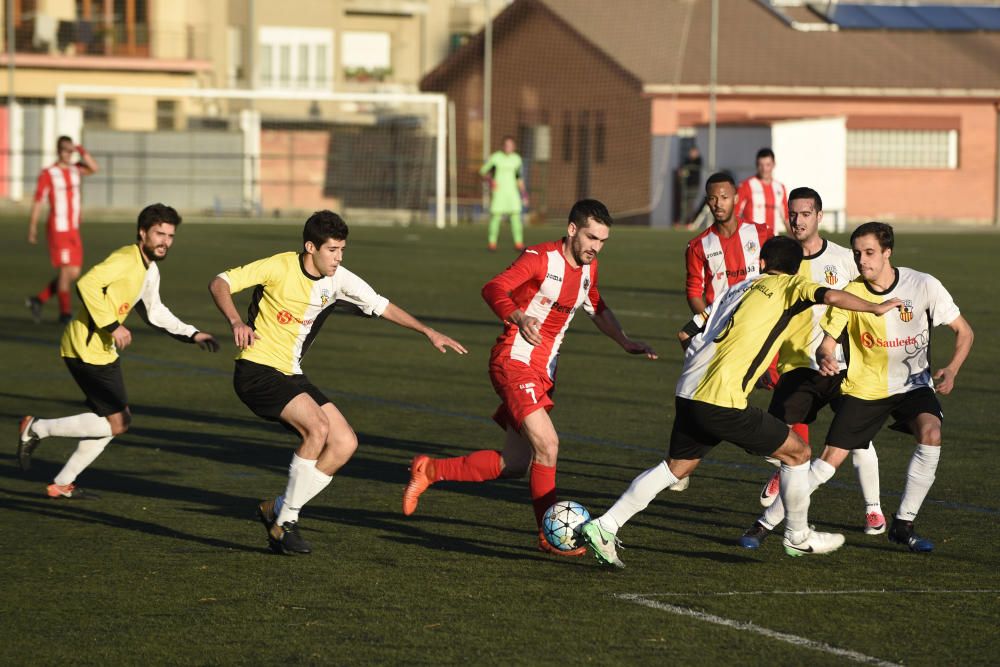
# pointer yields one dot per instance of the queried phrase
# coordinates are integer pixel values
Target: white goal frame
(437, 100)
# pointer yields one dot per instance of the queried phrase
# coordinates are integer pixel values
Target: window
(366, 55)
(296, 58)
(166, 113)
(96, 113)
(902, 149)
(567, 137)
(600, 136)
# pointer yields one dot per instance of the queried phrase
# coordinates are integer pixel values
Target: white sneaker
(874, 523)
(681, 485)
(604, 543)
(815, 543)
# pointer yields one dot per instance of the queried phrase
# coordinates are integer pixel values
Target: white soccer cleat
(604, 543)
(874, 523)
(681, 485)
(814, 544)
(771, 490)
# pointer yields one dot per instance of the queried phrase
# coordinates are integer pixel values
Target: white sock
(86, 452)
(87, 425)
(866, 464)
(919, 478)
(637, 496)
(820, 473)
(318, 480)
(795, 498)
(297, 491)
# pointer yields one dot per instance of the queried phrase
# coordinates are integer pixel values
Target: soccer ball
(561, 524)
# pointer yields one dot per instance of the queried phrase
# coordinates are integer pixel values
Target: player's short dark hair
(585, 209)
(720, 177)
(154, 214)
(765, 152)
(323, 226)
(782, 254)
(880, 230)
(806, 193)
(64, 138)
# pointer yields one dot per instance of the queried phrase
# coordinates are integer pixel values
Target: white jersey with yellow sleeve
(747, 324)
(109, 291)
(834, 267)
(889, 355)
(289, 306)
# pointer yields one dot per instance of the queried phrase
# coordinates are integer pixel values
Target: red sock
(63, 302)
(543, 489)
(480, 466)
(46, 293)
(802, 430)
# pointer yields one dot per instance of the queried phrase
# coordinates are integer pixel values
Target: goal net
(378, 158)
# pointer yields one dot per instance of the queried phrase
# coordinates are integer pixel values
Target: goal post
(377, 156)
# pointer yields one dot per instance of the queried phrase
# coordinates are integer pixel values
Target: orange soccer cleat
(543, 545)
(421, 477)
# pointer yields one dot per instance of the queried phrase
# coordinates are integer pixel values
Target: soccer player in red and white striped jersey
(763, 199)
(726, 253)
(60, 184)
(535, 298)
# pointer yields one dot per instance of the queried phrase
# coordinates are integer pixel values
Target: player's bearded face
(156, 241)
(721, 199)
(586, 242)
(803, 218)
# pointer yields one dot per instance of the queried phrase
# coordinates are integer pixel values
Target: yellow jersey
(889, 355)
(109, 291)
(747, 324)
(289, 306)
(833, 266)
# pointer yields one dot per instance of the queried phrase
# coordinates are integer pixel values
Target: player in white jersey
(801, 391)
(889, 370)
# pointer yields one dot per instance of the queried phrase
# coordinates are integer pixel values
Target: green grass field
(170, 566)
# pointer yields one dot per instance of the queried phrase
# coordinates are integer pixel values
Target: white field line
(756, 629)
(859, 591)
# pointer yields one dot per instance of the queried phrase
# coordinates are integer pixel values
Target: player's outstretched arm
(608, 324)
(397, 315)
(944, 378)
(847, 301)
(243, 335)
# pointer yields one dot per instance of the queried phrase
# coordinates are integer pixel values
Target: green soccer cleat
(604, 544)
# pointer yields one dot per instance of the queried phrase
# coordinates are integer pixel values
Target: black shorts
(267, 391)
(801, 393)
(858, 420)
(698, 427)
(102, 385)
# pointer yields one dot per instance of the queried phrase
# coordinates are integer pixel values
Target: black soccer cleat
(901, 532)
(754, 535)
(33, 304)
(65, 318)
(285, 539)
(27, 442)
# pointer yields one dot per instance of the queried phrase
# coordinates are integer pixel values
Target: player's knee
(119, 422)
(319, 429)
(930, 435)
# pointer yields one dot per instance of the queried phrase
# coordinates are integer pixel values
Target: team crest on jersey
(751, 246)
(122, 309)
(545, 300)
(830, 272)
(906, 311)
(324, 298)
(284, 317)
(586, 284)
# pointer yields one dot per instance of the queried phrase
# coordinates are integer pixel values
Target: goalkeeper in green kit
(503, 171)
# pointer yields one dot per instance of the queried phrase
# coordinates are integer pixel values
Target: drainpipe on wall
(996, 172)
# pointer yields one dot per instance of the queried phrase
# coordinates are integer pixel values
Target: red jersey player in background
(60, 183)
(535, 298)
(726, 253)
(763, 199)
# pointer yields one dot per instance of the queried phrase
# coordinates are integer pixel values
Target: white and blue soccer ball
(562, 522)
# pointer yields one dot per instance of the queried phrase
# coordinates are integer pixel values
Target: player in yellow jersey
(128, 279)
(294, 292)
(889, 374)
(726, 355)
(801, 391)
